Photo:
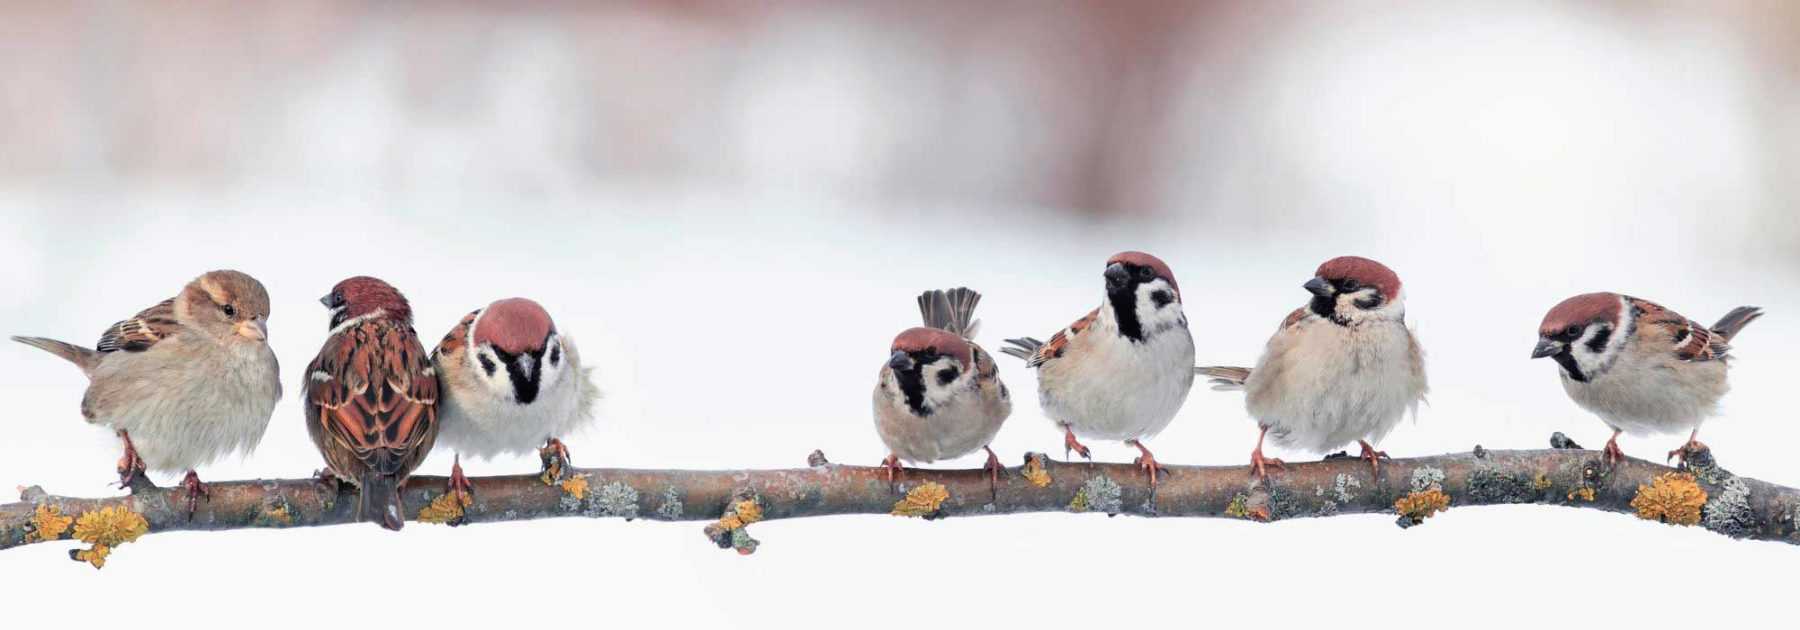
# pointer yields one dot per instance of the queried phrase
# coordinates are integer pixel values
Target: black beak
(1116, 275)
(1319, 287)
(900, 360)
(1546, 348)
(327, 301)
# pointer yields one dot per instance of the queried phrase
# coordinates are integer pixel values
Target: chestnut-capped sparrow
(1344, 368)
(939, 396)
(371, 396)
(510, 383)
(1122, 371)
(1642, 368)
(184, 382)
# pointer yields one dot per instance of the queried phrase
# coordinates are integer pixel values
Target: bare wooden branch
(1699, 493)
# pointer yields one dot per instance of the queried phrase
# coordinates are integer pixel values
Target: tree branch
(1699, 493)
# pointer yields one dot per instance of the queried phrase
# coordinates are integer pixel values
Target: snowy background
(680, 183)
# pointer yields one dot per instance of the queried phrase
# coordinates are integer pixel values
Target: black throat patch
(1124, 305)
(525, 389)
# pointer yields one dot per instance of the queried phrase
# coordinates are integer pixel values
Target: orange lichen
(105, 529)
(728, 532)
(1584, 493)
(1240, 507)
(1673, 498)
(748, 511)
(1420, 505)
(576, 486)
(1540, 482)
(48, 523)
(1035, 472)
(923, 500)
(446, 508)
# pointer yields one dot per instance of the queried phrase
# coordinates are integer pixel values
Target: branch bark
(1699, 493)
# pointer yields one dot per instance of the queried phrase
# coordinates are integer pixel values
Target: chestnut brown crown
(922, 339)
(515, 326)
(1142, 259)
(1364, 271)
(1580, 311)
(362, 295)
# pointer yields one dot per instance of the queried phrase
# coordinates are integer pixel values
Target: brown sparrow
(1344, 368)
(1122, 371)
(184, 382)
(1642, 368)
(939, 396)
(510, 382)
(371, 396)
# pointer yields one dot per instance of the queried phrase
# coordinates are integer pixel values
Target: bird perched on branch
(371, 396)
(184, 382)
(1123, 370)
(1344, 368)
(510, 383)
(939, 395)
(1642, 368)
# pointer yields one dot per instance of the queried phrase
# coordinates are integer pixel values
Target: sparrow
(510, 382)
(1344, 368)
(1123, 370)
(185, 382)
(371, 396)
(939, 395)
(1642, 368)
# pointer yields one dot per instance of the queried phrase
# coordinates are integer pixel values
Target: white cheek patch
(1594, 363)
(1389, 309)
(1153, 317)
(936, 392)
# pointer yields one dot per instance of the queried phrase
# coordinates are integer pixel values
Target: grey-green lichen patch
(1099, 494)
(1487, 485)
(671, 504)
(1729, 511)
(1328, 508)
(614, 499)
(1424, 477)
(1340, 488)
(1282, 503)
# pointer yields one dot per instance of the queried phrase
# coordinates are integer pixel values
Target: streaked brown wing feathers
(141, 331)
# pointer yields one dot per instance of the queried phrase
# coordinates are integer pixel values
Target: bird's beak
(1116, 276)
(526, 365)
(254, 329)
(1319, 287)
(326, 300)
(900, 361)
(1546, 348)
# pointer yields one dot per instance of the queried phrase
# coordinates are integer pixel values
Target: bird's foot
(1071, 444)
(459, 484)
(556, 461)
(1259, 465)
(1147, 461)
(195, 491)
(1681, 454)
(1374, 456)
(994, 469)
(892, 464)
(1611, 452)
(131, 467)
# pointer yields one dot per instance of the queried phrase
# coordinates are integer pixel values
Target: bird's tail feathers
(1023, 347)
(1224, 377)
(380, 501)
(82, 357)
(952, 310)
(1728, 326)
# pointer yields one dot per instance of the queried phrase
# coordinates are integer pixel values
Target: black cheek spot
(946, 376)
(1162, 298)
(1367, 303)
(555, 355)
(1601, 336)
(486, 364)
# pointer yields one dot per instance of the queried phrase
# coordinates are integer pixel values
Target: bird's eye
(230, 311)
(1351, 285)
(1572, 331)
(1146, 273)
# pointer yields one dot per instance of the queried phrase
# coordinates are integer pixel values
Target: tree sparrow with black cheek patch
(371, 396)
(939, 396)
(1642, 368)
(1122, 371)
(1344, 368)
(185, 382)
(510, 383)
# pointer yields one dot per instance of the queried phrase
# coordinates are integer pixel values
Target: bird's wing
(1665, 330)
(376, 395)
(141, 331)
(1059, 343)
(457, 339)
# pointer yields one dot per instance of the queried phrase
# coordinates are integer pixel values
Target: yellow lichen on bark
(1420, 505)
(48, 523)
(1583, 493)
(576, 486)
(1540, 482)
(748, 511)
(105, 529)
(923, 500)
(1035, 472)
(1673, 498)
(446, 508)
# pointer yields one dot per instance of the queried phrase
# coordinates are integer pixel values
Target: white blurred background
(685, 184)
